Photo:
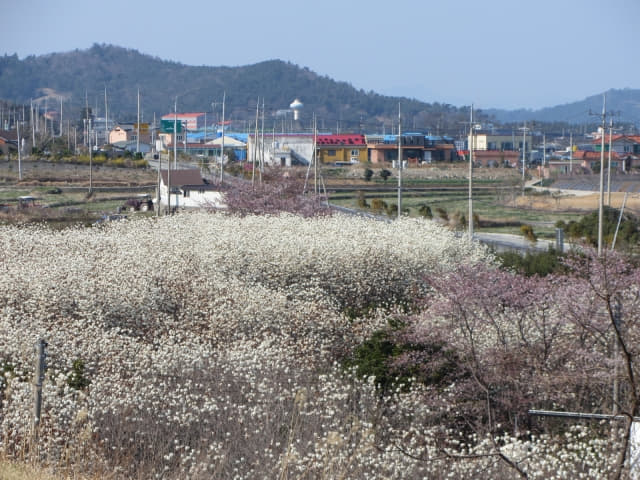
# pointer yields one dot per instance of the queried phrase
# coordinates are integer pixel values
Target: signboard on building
(144, 127)
(166, 126)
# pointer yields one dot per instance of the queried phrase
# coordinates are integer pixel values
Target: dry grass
(49, 173)
(10, 470)
(582, 203)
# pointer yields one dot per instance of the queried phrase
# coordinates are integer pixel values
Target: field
(61, 191)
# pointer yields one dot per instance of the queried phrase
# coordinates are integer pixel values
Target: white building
(189, 190)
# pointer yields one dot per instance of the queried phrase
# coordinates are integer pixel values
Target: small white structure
(189, 190)
(296, 106)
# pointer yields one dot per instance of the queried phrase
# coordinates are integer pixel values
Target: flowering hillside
(215, 346)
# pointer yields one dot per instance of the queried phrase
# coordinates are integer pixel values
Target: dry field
(40, 173)
(577, 203)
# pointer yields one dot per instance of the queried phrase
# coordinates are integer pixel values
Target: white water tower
(296, 106)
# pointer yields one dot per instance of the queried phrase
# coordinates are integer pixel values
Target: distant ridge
(625, 102)
(337, 105)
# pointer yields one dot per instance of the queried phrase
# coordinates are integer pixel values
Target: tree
(368, 173)
(277, 193)
(535, 342)
(385, 174)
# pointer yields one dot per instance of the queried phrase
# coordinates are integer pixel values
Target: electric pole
(601, 198)
(224, 96)
(399, 162)
(471, 127)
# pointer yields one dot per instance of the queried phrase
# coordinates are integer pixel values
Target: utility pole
(524, 152)
(33, 129)
(570, 152)
(175, 134)
(315, 156)
(471, 145)
(159, 183)
(262, 142)
(60, 116)
(88, 122)
(399, 162)
(138, 125)
(19, 151)
(609, 163)
(601, 198)
(175, 153)
(255, 144)
(90, 160)
(224, 97)
(106, 117)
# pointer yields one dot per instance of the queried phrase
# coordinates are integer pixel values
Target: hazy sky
(494, 53)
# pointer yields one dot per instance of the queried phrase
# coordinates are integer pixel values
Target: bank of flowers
(209, 345)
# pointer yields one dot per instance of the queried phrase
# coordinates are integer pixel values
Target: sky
(493, 53)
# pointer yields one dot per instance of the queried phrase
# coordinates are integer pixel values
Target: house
(625, 149)
(497, 158)
(417, 148)
(125, 133)
(8, 141)
(280, 149)
(188, 190)
(341, 148)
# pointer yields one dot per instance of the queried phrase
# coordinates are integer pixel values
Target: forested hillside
(74, 75)
(625, 103)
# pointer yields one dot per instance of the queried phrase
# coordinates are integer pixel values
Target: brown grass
(583, 203)
(10, 470)
(39, 173)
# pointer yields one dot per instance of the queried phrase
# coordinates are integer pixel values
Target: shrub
(425, 211)
(532, 263)
(392, 210)
(77, 378)
(527, 231)
(117, 162)
(378, 205)
(442, 213)
(368, 173)
(385, 355)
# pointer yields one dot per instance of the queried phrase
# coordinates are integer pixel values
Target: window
(355, 153)
(331, 153)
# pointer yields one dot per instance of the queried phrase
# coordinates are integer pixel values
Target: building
(188, 190)
(280, 149)
(417, 148)
(625, 151)
(341, 148)
(191, 121)
(487, 141)
(126, 133)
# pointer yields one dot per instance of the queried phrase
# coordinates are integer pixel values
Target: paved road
(506, 241)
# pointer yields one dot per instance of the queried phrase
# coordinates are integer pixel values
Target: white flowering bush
(209, 346)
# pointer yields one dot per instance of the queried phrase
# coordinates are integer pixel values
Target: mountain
(337, 105)
(625, 103)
